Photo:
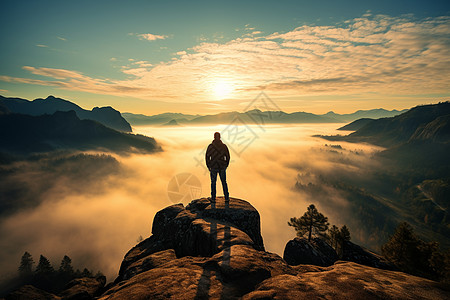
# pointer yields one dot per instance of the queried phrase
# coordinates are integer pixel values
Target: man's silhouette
(217, 160)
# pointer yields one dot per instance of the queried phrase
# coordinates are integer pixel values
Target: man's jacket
(217, 155)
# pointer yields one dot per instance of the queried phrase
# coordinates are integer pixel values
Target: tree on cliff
(337, 238)
(311, 221)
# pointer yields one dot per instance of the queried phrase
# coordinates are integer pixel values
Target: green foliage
(412, 255)
(26, 264)
(311, 222)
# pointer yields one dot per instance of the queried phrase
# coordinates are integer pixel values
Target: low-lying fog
(98, 227)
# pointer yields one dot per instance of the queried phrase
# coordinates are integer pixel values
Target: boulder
(199, 229)
(28, 292)
(360, 255)
(85, 288)
(316, 252)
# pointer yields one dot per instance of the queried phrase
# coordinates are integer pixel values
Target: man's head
(217, 135)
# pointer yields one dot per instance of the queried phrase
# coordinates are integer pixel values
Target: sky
(204, 57)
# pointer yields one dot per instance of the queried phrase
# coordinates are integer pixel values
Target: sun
(222, 89)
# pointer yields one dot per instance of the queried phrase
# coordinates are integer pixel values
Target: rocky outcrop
(318, 252)
(207, 251)
(199, 229)
(360, 255)
(348, 280)
(84, 288)
(30, 292)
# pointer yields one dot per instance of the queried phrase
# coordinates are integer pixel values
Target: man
(217, 160)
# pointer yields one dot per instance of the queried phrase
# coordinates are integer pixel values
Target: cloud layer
(94, 210)
(372, 54)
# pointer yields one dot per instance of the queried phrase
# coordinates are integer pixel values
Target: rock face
(317, 252)
(84, 288)
(30, 292)
(200, 229)
(205, 251)
(348, 280)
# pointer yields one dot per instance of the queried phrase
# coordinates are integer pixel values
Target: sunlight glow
(222, 89)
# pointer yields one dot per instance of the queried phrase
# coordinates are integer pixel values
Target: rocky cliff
(205, 251)
(215, 251)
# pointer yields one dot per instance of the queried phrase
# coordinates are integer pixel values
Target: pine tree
(402, 249)
(334, 236)
(44, 266)
(66, 266)
(26, 264)
(86, 273)
(345, 233)
(311, 221)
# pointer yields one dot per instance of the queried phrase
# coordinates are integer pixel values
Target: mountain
(172, 122)
(394, 131)
(360, 114)
(139, 119)
(355, 125)
(65, 130)
(257, 117)
(215, 251)
(105, 115)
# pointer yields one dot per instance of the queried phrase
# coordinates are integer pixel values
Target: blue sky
(155, 56)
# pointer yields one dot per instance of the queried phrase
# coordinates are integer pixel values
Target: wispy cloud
(42, 46)
(151, 37)
(372, 54)
(61, 38)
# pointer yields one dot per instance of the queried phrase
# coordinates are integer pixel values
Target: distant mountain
(257, 117)
(23, 134)
(172, 123)
(105, 115)
(419, 137)
(393, 131)
(360, 114)
(139, 119)
(355, 125)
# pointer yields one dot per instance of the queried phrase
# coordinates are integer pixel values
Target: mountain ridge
(258, 117)
(25, 134)
(107, 115)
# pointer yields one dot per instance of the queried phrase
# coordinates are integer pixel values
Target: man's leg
(223, 178)
(213, 174)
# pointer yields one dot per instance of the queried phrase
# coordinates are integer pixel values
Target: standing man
(217, 160)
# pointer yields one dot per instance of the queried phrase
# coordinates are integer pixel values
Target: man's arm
(227, 155)
(207, 157)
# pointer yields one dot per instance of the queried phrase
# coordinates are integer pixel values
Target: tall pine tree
(66, 266)
(44, 266)
(26, 264)
(311, 222)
